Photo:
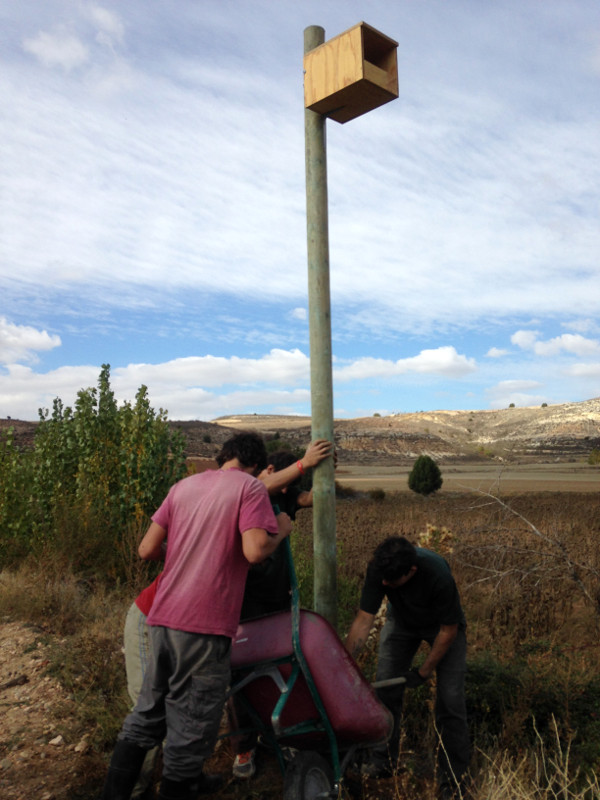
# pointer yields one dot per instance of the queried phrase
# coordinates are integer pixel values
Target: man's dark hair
(393, 558)
(282, 459)
(249, 449)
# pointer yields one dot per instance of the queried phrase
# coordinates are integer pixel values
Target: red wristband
(300, 467)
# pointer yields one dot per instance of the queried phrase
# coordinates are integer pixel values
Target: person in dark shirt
(268, 584)
(423, 605)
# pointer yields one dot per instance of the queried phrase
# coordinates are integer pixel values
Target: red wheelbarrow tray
(329, 690)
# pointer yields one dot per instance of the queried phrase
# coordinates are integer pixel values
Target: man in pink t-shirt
(218, 523)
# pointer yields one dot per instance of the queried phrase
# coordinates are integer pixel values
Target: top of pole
(314, 35)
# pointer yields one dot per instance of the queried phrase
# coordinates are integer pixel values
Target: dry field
(494, 478)
(528, 567)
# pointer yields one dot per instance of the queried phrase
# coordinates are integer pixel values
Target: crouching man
(423, 605)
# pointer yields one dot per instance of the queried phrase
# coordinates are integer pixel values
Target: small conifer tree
(425, 477)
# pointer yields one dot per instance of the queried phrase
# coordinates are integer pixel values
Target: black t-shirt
(427, 600)
(268, 583)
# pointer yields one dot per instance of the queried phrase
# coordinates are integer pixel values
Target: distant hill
(554, 433)
(563, 432)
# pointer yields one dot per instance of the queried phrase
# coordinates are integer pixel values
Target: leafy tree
(92, 479)
(425, 477)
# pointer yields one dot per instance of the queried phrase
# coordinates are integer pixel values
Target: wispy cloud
(153, 201)
(57, 48)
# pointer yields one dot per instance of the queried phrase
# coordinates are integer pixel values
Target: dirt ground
(41, 758)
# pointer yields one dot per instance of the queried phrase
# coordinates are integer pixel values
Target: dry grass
(529, 575)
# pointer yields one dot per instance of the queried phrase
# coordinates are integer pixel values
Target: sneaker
(243, 765)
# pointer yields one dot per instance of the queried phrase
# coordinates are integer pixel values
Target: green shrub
(513, 705)
(425, 477)
(376, 493)
(594, 457)
(275, 444)
(344, 491)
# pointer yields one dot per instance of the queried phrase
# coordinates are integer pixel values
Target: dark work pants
(182, 697)
(397, 648)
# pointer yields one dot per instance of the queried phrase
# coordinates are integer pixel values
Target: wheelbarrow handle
(388, 682)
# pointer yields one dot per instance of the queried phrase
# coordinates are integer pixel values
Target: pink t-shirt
(202, 585)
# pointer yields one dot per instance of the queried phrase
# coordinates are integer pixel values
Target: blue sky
(152, 207)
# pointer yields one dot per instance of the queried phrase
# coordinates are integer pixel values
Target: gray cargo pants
(181, 700)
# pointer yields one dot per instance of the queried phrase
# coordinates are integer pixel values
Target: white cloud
(584, 371)
(568, 342)
(197, 404)
(23, 392)
(443, 361)
(515, 391)
(525, 339)
(287, 367)
(189, 386)
(185, 386)
(22, 342)
(496, 352)
(57, 49)
(582, 325)
(110, 26)
(300, 313)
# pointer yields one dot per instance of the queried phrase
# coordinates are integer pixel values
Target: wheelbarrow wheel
(307, 777)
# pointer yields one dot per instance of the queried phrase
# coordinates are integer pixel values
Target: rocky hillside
(567, 431)
(557, 432)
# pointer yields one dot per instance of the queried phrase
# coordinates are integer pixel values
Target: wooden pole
(321, 380)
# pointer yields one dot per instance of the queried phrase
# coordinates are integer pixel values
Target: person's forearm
(276, 481)
(359, 633)
(258, 544)
(151, 546)
(440, 646)
(305, 499)
(266, 546)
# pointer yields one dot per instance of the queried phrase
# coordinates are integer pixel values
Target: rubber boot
(125, 766)
(209, 784)
(189, 790)
(176, 790)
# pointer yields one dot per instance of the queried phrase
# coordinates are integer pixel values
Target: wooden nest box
(351, 73)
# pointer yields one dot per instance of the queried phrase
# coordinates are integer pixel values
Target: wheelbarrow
(306, 697)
